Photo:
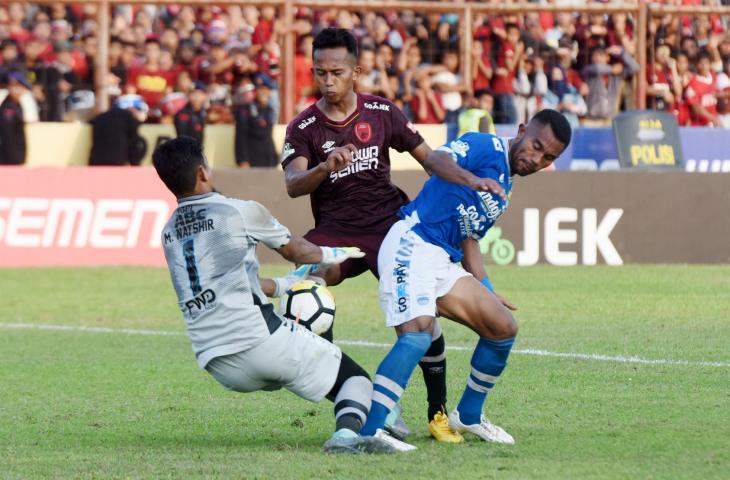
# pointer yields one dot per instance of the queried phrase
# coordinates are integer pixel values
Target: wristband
(485, 281)
(281, 286)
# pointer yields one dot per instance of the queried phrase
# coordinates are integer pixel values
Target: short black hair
(558, 123)
(177, 161)
(703, 55)
(335, 38)
(482, 92)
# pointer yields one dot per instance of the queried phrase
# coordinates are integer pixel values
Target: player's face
(534, 148)
(334, 73)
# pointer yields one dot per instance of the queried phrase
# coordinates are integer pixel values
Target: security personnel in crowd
(190, 121)
(12, 131)
(478, 115)
(115, 137)
(255, 121)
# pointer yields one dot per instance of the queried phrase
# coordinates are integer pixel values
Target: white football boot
(485, 429)
(347, 441)
(397, 445)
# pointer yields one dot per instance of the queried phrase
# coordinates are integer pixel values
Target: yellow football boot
(440, 430)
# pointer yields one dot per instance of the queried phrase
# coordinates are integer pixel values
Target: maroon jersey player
(337, 151)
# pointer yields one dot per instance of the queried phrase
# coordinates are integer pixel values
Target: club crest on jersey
(363, 131)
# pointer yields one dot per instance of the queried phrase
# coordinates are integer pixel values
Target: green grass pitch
(94, 404)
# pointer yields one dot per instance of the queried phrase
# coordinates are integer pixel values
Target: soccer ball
(310, 304)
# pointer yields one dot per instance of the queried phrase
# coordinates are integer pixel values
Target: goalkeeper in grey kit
(210, 247)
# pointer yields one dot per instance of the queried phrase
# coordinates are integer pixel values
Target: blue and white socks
(487, 363)
(392, 377)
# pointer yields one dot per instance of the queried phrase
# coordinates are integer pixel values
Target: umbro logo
(328, 146)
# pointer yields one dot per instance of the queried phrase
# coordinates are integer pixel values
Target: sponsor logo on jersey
(364, 159)
(411, 127)
(205, 300)
(377, 106)
(306, 122)
(491, 205)
(287, 150)
(328, 146)
(460, 148)
(470, 221)
(189, 221)
(363, 131)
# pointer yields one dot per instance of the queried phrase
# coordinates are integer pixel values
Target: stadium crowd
(582, 64)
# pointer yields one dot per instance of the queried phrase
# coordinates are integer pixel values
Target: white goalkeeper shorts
(413, 275)
(292, 358)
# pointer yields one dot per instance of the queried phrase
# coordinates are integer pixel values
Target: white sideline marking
(364, 343)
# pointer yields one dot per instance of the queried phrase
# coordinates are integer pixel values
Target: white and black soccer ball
(310, 304)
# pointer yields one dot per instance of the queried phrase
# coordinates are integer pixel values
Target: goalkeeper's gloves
(336, 255)
(485, 281)
(295, 276)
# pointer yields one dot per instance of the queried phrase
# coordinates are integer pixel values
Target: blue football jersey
(448, 213)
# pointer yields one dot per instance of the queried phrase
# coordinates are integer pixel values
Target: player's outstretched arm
(442, 164)
(301, 180)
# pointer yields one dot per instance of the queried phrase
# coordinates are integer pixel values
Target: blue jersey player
(419, 263)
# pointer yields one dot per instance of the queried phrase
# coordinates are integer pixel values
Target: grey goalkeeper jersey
(210, 248)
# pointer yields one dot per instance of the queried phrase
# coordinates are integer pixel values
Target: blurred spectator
(605, 76)
(255, 119)
(190, 121)
(149, 80)
(10, 60)
(114, 134)
(303, 80)
(529, 86)
(664, 84)
(723, 96)
(435, 36)
(682, 108)
(448, 81)
(701, 94)
(478, 115)
(510, 51)
(482, 70)
(373, 78)
(187, 59)
(427, 103)
(12, 125)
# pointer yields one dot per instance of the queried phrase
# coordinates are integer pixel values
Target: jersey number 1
(192, 266)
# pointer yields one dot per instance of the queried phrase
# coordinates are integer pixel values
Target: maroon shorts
(367, 242)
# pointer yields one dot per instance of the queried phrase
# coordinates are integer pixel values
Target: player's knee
(498, 326)
(508, 329)
(422, 324)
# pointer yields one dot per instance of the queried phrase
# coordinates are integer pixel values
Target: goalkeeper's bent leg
(351, 394)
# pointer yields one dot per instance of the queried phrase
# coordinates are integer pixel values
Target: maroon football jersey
(360, 197)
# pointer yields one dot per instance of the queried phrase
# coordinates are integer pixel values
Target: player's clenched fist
(336, 255)
(340, 157)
